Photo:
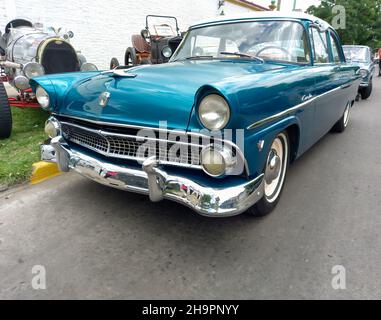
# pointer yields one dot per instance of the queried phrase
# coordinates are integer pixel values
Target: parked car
(155, 44)
(217, 126)
(362, 55)
(26, 51)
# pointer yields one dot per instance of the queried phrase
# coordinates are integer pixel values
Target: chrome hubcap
(273, 166)
(276, 168)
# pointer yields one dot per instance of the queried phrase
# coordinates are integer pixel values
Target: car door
(328, 81)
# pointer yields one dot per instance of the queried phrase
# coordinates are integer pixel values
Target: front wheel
(5, 114)
(366, 92)
(130, 58)
(274, 175)
(342, 124)
(114, 63)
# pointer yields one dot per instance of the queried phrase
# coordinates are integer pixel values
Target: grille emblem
(104, 99)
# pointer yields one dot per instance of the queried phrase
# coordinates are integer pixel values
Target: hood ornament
(104, 99)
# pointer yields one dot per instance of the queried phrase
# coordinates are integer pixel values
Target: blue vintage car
(216, 127)
(362, 56)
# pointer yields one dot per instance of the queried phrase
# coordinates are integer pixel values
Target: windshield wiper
(199, 57)
(242, 55)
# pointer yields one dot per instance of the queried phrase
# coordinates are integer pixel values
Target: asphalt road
(96, 242)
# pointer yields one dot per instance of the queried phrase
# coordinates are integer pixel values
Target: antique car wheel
(114, 63)
(341, 125)
(81, 59)
(274, 175)
(366, 92)
(130, 57)
(5, 114)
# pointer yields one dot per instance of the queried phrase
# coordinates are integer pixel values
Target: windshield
(358, 54)
(267, 40)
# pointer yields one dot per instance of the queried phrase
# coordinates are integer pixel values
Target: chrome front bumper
(155, 182)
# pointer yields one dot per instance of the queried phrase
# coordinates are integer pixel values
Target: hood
(156, 93)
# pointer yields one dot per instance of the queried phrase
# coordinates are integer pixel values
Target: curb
(43, 171)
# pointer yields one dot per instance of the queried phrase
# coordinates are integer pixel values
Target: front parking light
(217, 160)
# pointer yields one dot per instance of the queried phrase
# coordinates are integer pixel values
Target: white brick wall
(103, 28)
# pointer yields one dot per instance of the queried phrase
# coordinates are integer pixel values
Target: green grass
(21, 150)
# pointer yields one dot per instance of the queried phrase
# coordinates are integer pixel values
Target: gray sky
(288, 4)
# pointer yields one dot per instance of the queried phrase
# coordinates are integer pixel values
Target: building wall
(102, 28)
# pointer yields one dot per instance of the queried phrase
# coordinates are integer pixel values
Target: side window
(320, 46)
(335, 50)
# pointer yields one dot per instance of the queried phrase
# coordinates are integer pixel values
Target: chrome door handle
(307, 97)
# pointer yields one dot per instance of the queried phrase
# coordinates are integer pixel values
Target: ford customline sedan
(362, 56)
(216, 127)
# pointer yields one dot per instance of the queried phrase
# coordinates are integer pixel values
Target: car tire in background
(342, 124)
(130, 58)
(114, 63)
(81, 59)
(5, 114)
(274, 175)
(366, 92)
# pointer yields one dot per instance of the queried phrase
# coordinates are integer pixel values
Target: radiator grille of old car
(127, 146)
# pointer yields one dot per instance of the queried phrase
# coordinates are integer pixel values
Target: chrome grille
(126, 146)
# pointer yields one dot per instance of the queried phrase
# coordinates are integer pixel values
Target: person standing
(379, 62)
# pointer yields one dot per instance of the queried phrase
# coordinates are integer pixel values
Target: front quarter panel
(58, 85)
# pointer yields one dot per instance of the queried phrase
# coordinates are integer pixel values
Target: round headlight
(87, 66)
(33, 69)
(214, 112)
(145, 33)
(363, 73)
(167, 52)
(52, 128)
(21, 82)
(42, 98)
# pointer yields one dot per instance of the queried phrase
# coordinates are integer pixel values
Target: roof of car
(355, 46)
(263, 15)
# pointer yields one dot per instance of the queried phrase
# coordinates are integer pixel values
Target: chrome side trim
(158, 184)
(290, 110)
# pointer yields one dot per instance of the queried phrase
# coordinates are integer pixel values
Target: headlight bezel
(41, 94)
(364, 73)
(228, 160)
(205, 107)
(28, 70)
(52, 128)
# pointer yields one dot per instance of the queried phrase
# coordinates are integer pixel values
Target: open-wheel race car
(26, 51)
(155, 44)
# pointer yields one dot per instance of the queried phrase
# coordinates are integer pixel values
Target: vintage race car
(216, 127)
(27, 51)
(362, 55)
(155, 44)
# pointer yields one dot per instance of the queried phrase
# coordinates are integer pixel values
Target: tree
(363, 20)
